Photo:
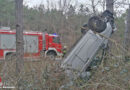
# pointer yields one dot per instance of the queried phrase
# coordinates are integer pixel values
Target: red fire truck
(35, 43)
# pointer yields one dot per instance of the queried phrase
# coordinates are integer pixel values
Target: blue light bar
(54, 34)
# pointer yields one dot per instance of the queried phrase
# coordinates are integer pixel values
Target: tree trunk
(127, 33)
(19, 37)
(109, 5)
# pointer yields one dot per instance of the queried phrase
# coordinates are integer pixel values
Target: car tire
(96, 24)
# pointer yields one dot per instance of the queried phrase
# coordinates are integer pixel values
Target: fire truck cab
(53, 46)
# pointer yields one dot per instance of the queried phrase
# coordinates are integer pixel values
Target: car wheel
(96, 24)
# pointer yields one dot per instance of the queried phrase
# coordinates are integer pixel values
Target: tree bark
(127, 33)
(110, 5)
(19, 37)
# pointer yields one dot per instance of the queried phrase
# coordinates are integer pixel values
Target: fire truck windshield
(56, 39)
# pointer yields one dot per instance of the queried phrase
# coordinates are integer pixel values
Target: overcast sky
(32, 3)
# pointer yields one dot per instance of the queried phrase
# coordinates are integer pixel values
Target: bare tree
(93, 4)
(64, 5)
(102, 4)
(48, 4)
(19, 36)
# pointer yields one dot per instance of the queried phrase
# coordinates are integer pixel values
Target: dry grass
(45, 74)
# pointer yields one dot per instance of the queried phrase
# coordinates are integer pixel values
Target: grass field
(46, 74)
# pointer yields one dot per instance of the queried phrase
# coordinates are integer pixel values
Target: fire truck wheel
(10, 56)
(96, 24)
(51, 55)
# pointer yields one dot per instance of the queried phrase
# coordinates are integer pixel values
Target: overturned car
(81, 56)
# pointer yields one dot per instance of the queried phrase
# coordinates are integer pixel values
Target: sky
(33, 3)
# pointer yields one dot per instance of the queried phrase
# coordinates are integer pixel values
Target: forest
(66, 19)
